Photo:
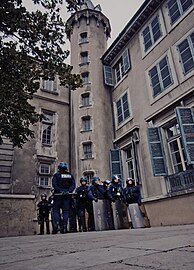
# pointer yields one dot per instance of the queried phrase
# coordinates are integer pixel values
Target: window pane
(174, 11)
(186, 55)
(156, 29)
(186, 4)
(147, 38)
(46, 135)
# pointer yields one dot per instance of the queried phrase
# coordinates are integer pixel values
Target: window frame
(48, 124)
(44, 175)
(125, 119)
(85, 75)
(84, 58)
(191, 48)
(85, 127)
(83, 39)
(87, 154)
(180, 9)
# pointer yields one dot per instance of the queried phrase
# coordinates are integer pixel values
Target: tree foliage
(31, 47)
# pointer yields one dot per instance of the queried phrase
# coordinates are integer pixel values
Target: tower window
(84, 57)
(44, 174)
(87, 150)
(85, 99)
(85, 77)
(86, 123)
(84, 37)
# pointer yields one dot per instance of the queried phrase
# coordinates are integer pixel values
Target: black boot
(64, 229)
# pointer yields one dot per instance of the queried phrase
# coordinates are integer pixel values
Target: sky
(118, 12)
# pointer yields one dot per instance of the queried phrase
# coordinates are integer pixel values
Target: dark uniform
(84, 205)
(63, 183)
(132, 192)
(43, 213)
(115, 191)
(96, 191)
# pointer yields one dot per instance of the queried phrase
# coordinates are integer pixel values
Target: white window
(130, 162)
(160, 76)
(47, 126)
(85, 99)
(84, 57)
(87, 150)
(44, 174)
(114, 75)
(186, 51)
(49, 85)
(85, 77)
(176, 149)
(151, 33)
(177, 8)
(84, 37)
(122, 108)
(86, 123)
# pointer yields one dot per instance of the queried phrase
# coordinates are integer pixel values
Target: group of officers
(67, 207)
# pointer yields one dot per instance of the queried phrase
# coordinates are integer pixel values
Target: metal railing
(180, 181)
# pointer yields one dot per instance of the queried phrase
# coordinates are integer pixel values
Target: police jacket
(132, 194)
(96, 191)
(115, 191)
(82, 194)
(44, 207)
(63, 182)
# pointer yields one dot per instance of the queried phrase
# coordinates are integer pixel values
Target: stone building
(133, 116)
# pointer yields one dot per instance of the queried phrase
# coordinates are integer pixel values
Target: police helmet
(83, 179)
(43, 195)
(95, 178)
(130, 179)
(62, 166)
(107, 182)
(115, 177)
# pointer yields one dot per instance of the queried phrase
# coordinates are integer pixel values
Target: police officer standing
(43, 213)
(63, 183)
(96, 190)
(132, 192)
(115, 189)
(83, 204)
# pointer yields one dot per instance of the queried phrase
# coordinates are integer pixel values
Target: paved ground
(163, 248)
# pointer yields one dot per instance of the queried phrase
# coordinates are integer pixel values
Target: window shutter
(108, 76)
(115, 162)
(156, 151)
(126, 62)
(185, 118)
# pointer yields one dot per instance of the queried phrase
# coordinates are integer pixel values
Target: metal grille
(180, 181)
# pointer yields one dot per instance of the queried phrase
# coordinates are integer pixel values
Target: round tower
(91, 115)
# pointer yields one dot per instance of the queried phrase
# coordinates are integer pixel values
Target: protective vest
(65, 180)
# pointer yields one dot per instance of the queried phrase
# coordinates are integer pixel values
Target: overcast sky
(119, 12)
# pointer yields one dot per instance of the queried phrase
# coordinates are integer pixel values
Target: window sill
(85, 106)
(50, 92)
(83, 64)
(44, 187)
(46, 145)
(83, 158)
(84, 131)
(124, 123)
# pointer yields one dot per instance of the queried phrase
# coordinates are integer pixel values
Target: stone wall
(178, 210)
(17, 215)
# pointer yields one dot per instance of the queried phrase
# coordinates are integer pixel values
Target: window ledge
(124, 123)
(83, 131)
(44, 187)
(83, 158)
(83, 64)
(85, 106)
(50, 92)
(46, 145)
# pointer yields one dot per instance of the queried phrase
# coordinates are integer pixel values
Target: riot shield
(120, 215)
(103, 215)
(136, 216)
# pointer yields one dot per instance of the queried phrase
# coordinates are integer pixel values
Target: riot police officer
(83, 204)
(96, 190)
(43, 213)
(115, 189)
(132, 192)
(105, 185)
(63, 183)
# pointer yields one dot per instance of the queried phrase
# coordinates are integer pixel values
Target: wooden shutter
(185, 119)
(115, 163)
(156, 151)
(108, 76)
